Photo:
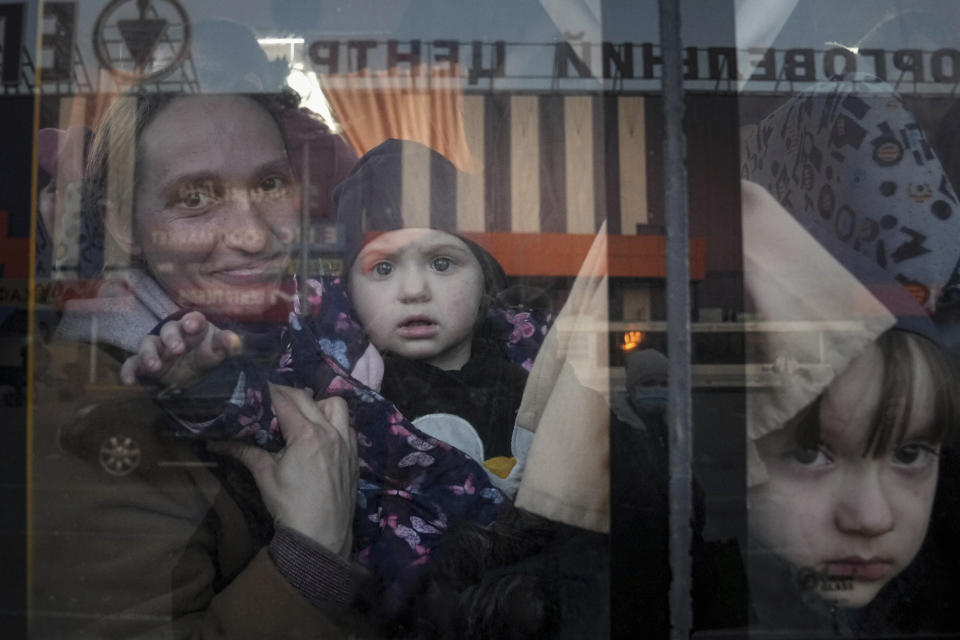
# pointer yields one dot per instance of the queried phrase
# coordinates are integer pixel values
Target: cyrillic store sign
(134, 40)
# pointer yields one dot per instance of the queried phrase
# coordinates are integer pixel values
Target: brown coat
(164, 551)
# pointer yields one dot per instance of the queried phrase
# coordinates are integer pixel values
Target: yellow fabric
(501, 466)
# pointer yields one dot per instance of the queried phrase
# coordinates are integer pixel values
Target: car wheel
(120, 455)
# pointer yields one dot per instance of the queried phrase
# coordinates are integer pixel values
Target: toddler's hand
(184, 349)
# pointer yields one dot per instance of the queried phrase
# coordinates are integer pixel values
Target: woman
(198, 194)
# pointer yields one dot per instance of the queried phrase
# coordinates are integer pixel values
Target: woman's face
(417, 293)
(849, 522)
(216, 204)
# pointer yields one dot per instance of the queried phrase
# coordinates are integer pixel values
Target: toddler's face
(417, 293)
(849, 522)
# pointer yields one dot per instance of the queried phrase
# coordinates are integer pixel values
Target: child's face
(853, 522)
(417, 293)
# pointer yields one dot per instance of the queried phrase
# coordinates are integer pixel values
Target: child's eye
(915, 454)
(809, 457)
(382, 268)
(441, 263)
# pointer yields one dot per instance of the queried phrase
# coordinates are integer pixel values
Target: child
(845, 458)
(851, 483)
(429, 300)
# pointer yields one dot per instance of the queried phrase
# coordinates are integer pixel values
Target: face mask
(649, 400)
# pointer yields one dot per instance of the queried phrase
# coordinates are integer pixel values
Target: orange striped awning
(562, 254)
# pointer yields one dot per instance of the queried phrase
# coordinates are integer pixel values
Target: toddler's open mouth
(416, 327)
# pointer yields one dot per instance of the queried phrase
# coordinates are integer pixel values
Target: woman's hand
(311, 484)
(181, 353)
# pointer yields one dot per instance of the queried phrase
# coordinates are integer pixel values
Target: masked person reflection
(138, 534)
(849, 445)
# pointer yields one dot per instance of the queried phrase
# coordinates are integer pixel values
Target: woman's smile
(261, 271)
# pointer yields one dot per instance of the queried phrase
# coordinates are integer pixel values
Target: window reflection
(176, 171)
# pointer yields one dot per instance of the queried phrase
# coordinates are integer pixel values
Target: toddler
(456, 357)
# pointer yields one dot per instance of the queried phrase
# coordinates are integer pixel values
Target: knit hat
(403, 184)
(837, 314)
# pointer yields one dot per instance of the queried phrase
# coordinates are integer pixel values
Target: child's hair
(902, 353)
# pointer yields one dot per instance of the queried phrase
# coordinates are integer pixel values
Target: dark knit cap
(373, 198)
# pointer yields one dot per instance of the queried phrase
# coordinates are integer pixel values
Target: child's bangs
(903, 356)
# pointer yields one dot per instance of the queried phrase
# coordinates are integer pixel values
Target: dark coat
(486, 392)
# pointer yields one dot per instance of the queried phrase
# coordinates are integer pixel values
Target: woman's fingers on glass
(205, 344)
(227, 343)
(189, 332)
(146, 362)
(212, 347)
(151, 355)
(128, 371)
(172, 336)
(193, 323)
